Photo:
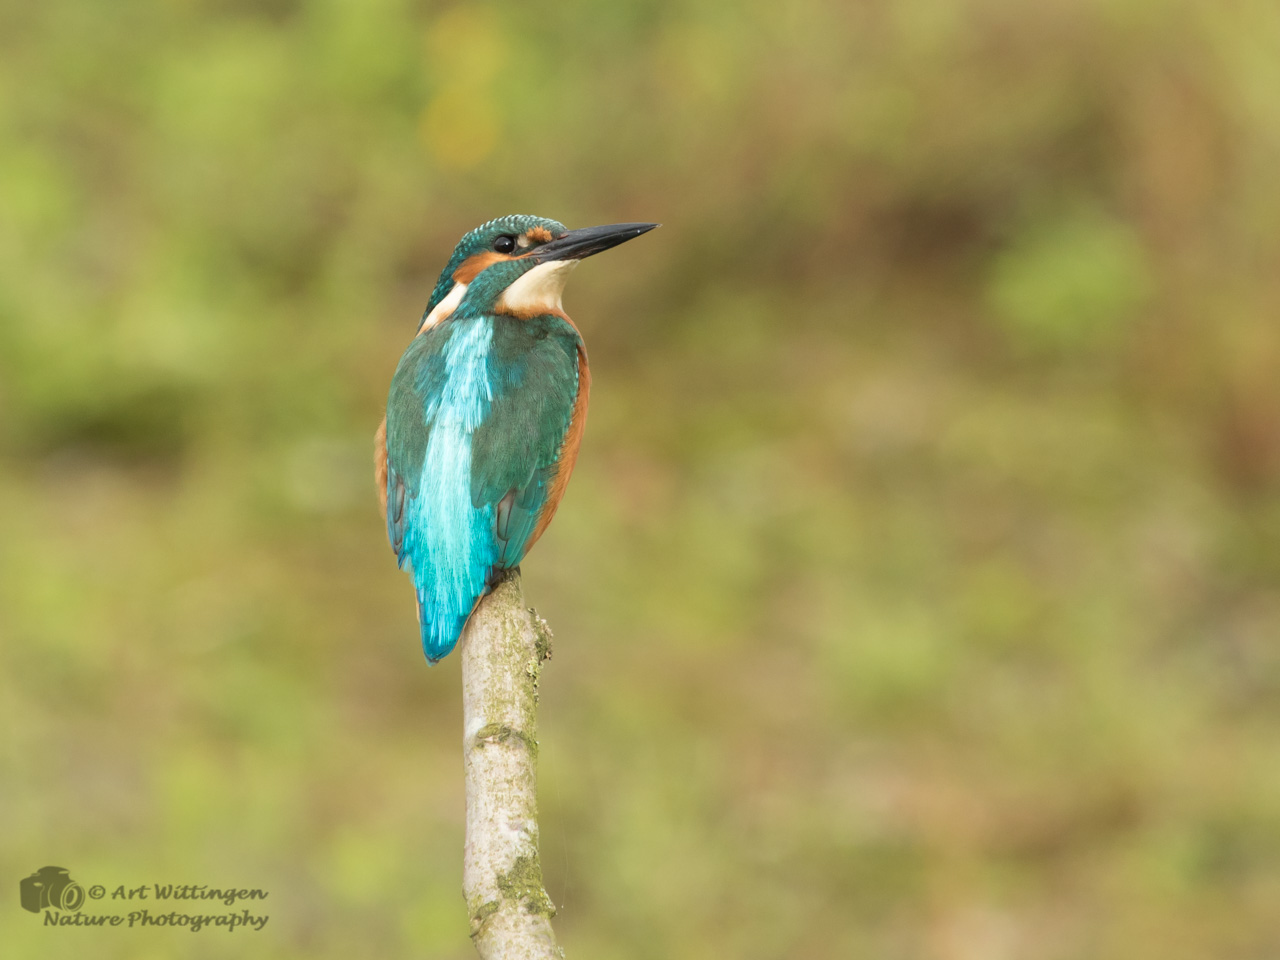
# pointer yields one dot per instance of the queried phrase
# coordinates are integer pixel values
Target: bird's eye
(504, 244)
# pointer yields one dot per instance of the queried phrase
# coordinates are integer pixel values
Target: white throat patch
(444, 307)
(538, 290)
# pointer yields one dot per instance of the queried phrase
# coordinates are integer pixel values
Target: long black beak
(579, 244)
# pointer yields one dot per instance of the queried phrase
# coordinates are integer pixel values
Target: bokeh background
(917, 594)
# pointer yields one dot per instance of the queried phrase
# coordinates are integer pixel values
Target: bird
(485, 415)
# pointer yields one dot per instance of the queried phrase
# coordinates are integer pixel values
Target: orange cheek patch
(539, 235)
(472, 266)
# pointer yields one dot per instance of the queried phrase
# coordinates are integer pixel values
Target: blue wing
(478, 411)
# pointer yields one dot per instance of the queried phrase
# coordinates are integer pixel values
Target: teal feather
(478, 411)
(534, 364)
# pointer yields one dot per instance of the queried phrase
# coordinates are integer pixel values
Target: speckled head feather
(481, 239)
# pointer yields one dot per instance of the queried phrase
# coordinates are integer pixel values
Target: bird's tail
(441, 626)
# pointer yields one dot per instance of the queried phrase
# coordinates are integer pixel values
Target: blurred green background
(917, 594)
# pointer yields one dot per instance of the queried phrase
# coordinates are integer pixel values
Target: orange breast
(380, 464)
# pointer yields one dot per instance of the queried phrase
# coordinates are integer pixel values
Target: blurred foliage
(918, 591)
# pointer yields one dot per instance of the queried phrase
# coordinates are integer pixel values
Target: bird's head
(519, 264)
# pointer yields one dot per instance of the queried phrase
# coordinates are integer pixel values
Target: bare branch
(502, 653)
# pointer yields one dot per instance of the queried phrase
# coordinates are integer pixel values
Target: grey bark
(502, 650)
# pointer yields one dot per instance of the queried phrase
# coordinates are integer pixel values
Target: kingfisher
(485, 415)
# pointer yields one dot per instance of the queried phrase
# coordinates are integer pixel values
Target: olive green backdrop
(917, 594)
